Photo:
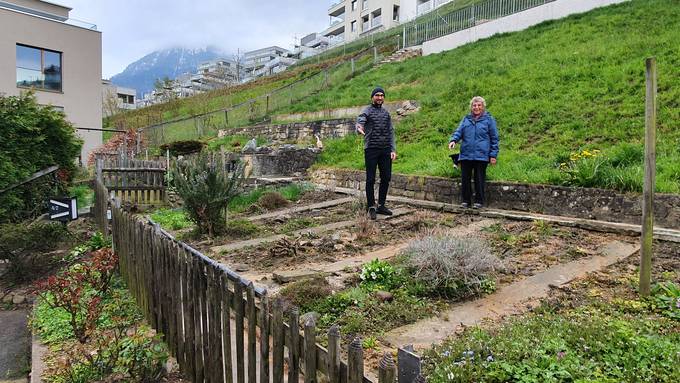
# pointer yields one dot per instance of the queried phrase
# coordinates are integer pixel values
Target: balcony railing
(376, 22)
(335, 4)
(425, 7)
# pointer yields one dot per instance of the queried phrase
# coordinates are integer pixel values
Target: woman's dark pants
(479, 170)
(380, 159)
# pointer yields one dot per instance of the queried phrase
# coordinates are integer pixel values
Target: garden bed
(594, 329)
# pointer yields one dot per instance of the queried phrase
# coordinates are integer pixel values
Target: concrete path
(512, 299)
(660, 233)
(15, 343)
(298, 209)
(313, 230)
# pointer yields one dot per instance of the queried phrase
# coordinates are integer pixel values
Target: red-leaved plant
(79, 290)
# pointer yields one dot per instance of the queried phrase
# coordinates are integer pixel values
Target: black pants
(467, 168)
(379, 158)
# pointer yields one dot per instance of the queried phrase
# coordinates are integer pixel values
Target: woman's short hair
(477, 99)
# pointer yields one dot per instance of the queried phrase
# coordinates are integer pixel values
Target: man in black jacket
(380, 149)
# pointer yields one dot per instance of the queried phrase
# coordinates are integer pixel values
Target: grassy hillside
(560, 91)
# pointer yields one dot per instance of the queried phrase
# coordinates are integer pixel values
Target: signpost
(63, 209)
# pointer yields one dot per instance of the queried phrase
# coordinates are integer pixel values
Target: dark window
(38, 68)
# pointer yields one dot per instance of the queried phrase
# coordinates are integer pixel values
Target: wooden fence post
(264, 338)
(387, 371)
(226, 328)
(310, 350)
(252, 333)
(649, 183)
(294, 346)
(355, 362)
(238, 319)
(334, 354)
(278, 338)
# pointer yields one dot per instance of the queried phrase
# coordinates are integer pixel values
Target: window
(364, 4)
(364, 22)
(354, 5)
(354, 26)
(395, 13)
(38, 68)
(126, 98)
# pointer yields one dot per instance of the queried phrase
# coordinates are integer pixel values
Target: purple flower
(560, 355)
(677, 303)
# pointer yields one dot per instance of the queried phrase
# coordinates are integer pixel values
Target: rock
(7, 298)
(18, 299)
(295, 275)
(310, 315)
(240, 267)
(336, 237)
(384, 296)
(339, 247)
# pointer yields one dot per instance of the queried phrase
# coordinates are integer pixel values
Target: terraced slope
(557, 89)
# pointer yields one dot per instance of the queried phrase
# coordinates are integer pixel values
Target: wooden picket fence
(218, 325)
(140, 182)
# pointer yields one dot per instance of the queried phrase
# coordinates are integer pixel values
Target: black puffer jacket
(377, 125)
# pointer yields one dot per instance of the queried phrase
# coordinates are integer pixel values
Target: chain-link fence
(258, 110)
(417, 32)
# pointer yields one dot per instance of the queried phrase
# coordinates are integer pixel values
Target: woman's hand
(452, 144)
(492, 160)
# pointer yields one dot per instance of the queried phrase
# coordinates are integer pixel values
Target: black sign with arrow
(63, 209)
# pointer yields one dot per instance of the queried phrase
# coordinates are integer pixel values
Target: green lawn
(555, 89)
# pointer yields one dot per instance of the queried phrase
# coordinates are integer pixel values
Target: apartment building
(311, 45)
(351, 19)
(116, 98)
(266, 61)
(60, 59)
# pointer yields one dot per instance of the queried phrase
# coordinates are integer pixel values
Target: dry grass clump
(272, 201)
(452, 266)
(365, 227)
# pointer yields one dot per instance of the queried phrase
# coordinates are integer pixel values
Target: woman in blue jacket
(478, 136)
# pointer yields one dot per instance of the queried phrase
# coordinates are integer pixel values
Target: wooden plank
(189, 319)
(252, 333)
(264, 339)
(202, 291)
(175, 302)
(181, 312)
(310, 350)
(647, 237)
(226, 328)
(278, 337)
(238, 320)
(294, 345)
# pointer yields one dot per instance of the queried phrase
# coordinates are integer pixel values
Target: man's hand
(360, 130)
(492, 160)
(393, 155)
(452, 144)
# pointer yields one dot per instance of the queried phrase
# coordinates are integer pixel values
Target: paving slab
(298, 209)
(15, 340)
(512, 299)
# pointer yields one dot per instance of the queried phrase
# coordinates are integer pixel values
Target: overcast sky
(133, 28)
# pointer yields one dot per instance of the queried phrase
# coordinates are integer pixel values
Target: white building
(116, 98)
(353, 19)
(311, 45)
(266, 61)
(60, 59)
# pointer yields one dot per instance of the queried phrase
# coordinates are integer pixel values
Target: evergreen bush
(206, 189)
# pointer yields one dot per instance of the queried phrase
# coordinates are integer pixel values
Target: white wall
(516, 22)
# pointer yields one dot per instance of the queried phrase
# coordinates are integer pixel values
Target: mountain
(171, 62)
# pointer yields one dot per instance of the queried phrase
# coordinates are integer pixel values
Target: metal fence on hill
(257, 110)
(417, 32)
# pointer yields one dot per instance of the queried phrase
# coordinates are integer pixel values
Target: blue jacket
(480, 138)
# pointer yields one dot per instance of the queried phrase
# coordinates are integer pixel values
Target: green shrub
(306, 292)
(33, 137)
(206, 190)
(183, 148)
(666, 299)
(453, 267)
(272, 201)
(378, 275)
(241, 228)
(84, 195)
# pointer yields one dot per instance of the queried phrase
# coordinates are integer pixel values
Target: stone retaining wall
(339, 113)
(599, 204)
(285, 161)
(298, 131)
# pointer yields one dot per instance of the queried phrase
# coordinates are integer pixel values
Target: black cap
(377, 90)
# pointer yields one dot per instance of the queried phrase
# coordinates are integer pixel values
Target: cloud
(131, 29)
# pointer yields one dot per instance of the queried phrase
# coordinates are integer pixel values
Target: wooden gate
(140, 182)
